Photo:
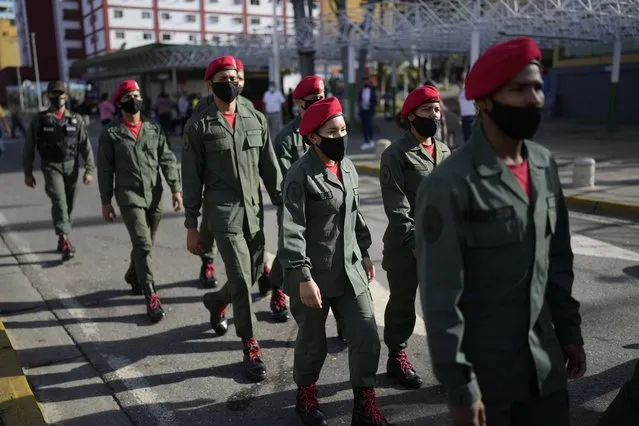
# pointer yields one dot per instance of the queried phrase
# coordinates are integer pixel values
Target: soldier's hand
(470, 415)
(108, 213)
(576, 361)
(30, 181)
(370, 268)
(178, 203)
(87, 179)
(310, 294)
(193, 243)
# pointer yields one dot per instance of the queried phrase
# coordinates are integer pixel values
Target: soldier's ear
(314, 138)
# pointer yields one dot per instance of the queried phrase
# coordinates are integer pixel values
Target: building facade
(112, 25)
(57, 25)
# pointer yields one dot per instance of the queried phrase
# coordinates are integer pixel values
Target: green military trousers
(142, 224)
(243, 257)
(399, 317)
(550, 410)
(360, 330)
(60, 183)
(207, 241)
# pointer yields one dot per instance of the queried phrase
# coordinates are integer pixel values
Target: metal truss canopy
(396, 30)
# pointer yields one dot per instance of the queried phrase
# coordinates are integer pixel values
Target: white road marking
(586, 246)
(122, 369)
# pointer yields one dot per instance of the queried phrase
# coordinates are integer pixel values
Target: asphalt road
(94, 358)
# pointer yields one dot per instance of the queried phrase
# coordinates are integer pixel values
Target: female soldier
(403, 166)
(323, 250)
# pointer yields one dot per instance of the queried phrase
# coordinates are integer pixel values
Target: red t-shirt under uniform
(521, 174)
(335, 170)
(134, 128)
(430, 149)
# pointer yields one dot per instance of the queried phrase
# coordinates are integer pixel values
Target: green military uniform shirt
(74, 120)
(323, 234)
(208, 100)
(403, 167)
(228, 163)
(135, 164)
(289, 145)
(496, 275)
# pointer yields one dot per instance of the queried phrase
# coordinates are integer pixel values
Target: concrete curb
(18, 405)
(582, 204)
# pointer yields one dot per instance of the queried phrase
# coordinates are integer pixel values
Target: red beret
(500, 64)
(123, 88)
(309, 85)
(239, 64)
(418, 97)
(318, 114)
(220, 64)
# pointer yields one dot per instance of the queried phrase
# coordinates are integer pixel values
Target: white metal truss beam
(395, 30)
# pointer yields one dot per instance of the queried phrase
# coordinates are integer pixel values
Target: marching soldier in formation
(495, 261)
(323, 250)
(60, 137)
(132, 151)
(226, 150)
(403, 167)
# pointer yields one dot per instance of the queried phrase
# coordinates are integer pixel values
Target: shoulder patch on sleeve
(433, 224)
(385, 175)
(294, 192)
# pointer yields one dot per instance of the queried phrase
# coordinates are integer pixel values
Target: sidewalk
(616, 190)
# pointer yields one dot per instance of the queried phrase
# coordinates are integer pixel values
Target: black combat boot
(60, 243)
(253, 364)
(153, 306)
(307, 406)
(365, 411)
(131, 279)
(400, 368)
(68, 251)
(263, 282)
(207, 274)
(278, 305)
(217, 310)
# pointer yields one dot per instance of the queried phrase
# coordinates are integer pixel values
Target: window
(147, 36)
(118, 14)
(255, 2)
(166, 37)
(212, 1)
(215, 39)
(192, 37)
(255, 21)
(189, 18)
(146, 15)
(237, 21)
(237, 2)
(213, 19)
(166, 16)
(119, 34)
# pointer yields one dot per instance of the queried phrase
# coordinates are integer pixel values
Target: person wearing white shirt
(466, 110)
(273, 100)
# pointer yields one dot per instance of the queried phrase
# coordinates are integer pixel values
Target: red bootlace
(253, 347)
(66, 245)
(278, 300)
(404, 364)
(210, 271)
(370, 405)
(154, 302)
(308, 395)
(221, 312)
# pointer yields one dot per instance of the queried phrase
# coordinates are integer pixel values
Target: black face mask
(334, 148)
(56, 101)
(516, 122)
(132, 106)
(426, 127)
(226, 91)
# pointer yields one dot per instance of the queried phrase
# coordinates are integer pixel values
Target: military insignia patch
(385, 175)
(293, 192)
(433, 224)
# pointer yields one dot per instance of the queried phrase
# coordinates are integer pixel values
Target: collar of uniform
(242, 111)
(411, 141)
(536, 157)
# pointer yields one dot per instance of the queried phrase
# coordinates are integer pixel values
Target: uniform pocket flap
(213, 143)
(321, 196)
(493, 227)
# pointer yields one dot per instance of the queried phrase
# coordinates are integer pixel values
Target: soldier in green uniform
(289, 147)
(404, 165)
(59, 136)
(133, 150)
(323, 250)
(225, 153)
(495, 261)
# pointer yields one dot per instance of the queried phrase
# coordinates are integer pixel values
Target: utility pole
(37, 69)
(276, 48)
